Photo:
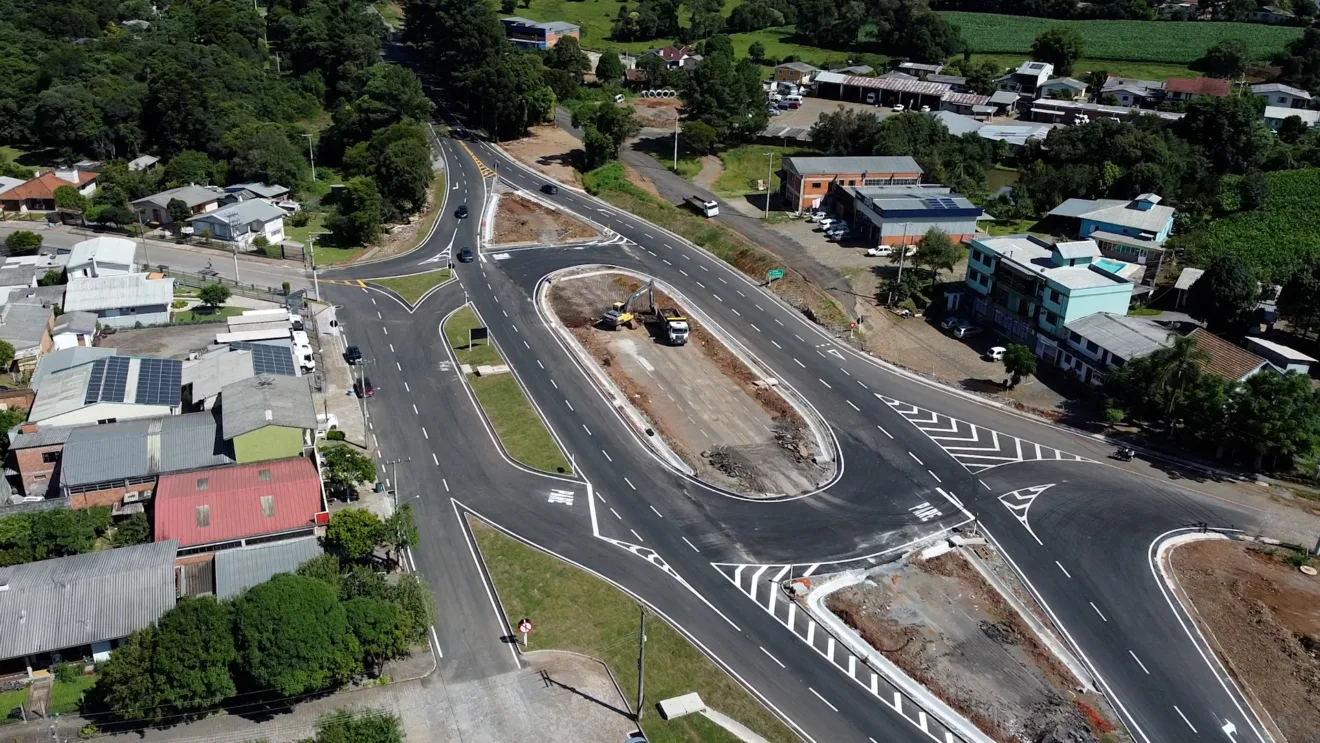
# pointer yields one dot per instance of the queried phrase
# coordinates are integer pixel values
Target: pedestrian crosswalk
(764, 584)
(975, 447)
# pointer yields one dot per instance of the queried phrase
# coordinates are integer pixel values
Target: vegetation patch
(1276, 239)
(411, 288)
(745, 167)
(520, 429)
(575, 611)
(1154, 41)
(202, 314)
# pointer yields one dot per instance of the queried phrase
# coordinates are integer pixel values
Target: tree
(507, 7)
(512, 93)
(136, 529)
(381, 629)
(567, 55)
(23, 241)
(1019, 361)
(400, 529)
(727, 97)
(292, 636)
(358, 725)
(6, 354)
(1297, 302)
(610, 68)
(214, 295)
(1301, 61)
(937, 253)
(1276, 415)
(191, 167)
(699, 138)
(1060, 46)
(52, 277)
(347, 468)
(355, 532)
(125, 684)
(357, 217)
(605, 126)
(756, 51)
(1227, 131)
(264, 153)
(1253, 190)
(178, 211)
(1225, 295)
(67, 197)
(1227, 59)
(324, 568)
(1292, 129)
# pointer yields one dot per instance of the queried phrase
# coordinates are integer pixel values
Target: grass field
(744, 166)
(326, 255)
(203, 315)
(575, 611)
(411, 288)
(519, 428)
(67, 698)
(1141, 41)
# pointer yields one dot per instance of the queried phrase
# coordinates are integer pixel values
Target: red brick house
(38, 194)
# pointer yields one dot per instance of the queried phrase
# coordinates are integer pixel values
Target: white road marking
(722, 281)
(1097, 610)
(584, 426)
(882, 430)
(436, 459)
(373, 300)
(556, 384)
(649, 235)
(570, 405)
(1189, 722)
(693, 546)
(736, 312)
(667, 263)
(754, 327)
(818, 696)
(685, 273)
(914, 456)
(685, 255)
(634, 487)
(667, 245)
(771, 657)
(616, 514)
(1061, 567)
(406, 388)
(506, 314)
(602, 451)
(863, 384)
(415, 409)
(425, 434)
(446, 482)
(937, 477)
(601, 497)
(657, 513)
(378, 317)
(780, 323)
(703, 286)
(635, 534)
(1138, 660)
(795, 335)
(398, 366)
(845, 371)
(987, 487)
(777, 346)
(538, 363)
(391, 348)
(799, 363)
(703, 268)
(854, 407)
(525, 343)
(759, 307)
(829, 648)
(515, 328)
(716, 296)
(740, 293)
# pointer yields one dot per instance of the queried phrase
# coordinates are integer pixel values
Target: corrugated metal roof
(24, 325)
(1280, 88)
(193, 196)
(966, 99)
(70, 601)
(239, 501)
(103, 250)
(266, 400)
(1226, 361)
(67, 358)
(898, 85)
(75, 322)
(237, 570)
(43, 436)
(1078, 249)
(138, 448)
(1125, 337)
(209, 374)
(1287, 353)
(242, 213)
(114, 292)
(833, 165)
(1188, 277)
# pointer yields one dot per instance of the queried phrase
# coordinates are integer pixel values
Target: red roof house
(1182, 89)
(232, 504)
(38, 194)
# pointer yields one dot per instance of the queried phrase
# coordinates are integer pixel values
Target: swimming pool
(1109, 265)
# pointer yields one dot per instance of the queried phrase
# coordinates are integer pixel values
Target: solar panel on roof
(268, 359)
(158, 381)
(94, 382)
(116, 379)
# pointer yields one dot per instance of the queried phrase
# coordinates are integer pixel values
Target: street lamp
(311, 252)
(394, 480)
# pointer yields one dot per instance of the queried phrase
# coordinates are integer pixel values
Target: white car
(883, 251)
(996, 353)
(965, 330)
(925, 109)
(898, 108)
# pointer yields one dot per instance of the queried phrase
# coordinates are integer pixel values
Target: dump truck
(705, 207)
(676, 326)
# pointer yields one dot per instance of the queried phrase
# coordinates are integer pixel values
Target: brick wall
(37, 474)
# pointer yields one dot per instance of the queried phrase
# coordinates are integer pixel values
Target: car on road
(461, 212)
(965, 330)
(996, 353)
(880, 251)
(950, 322)
(353, 355)
(550, 188)
(466, 256)
(363, 388)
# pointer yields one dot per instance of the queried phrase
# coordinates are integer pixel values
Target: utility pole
(233, 240)
(311, 253)
(394, 480)
(902, 255)
(362, 384)
(769, 173)
(142, 235)
(676, 141)
(641, 665)
(311, 154)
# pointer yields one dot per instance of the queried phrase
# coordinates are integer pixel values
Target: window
(1074, 337)
(268, 505)
(1051, 318)
(852, 182)
(104, 421)
(263, 475)
(203, 483)
(203, 516)
(1092, 347)
(873, 181)
(50, 457)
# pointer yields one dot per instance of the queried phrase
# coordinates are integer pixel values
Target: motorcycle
(1125, 454)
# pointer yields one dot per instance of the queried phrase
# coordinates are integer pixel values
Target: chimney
(70, 174)
(28, 428)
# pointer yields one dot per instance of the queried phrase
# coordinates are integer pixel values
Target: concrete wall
(1084, 302)
(270, 442)
(127, 317)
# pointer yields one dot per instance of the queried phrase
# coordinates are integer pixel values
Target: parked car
(965, 330)
(773, 111)
(950, 322)
(466, 256)
(837, 229)
(881, 251)
(550, 188)
(898, 108)
(925, 109)
(363, 388)
(839, 236)
(996, 353)
(461, 212)
(870, 97)
(353, 355)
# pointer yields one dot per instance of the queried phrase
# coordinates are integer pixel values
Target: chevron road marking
(1019, 502)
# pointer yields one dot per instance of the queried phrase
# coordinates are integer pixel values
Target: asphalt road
(704, 559)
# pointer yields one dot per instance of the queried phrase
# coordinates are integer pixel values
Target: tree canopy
(292, 635)
(1225, 295)
(1060, 46)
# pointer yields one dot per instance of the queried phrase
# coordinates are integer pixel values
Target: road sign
(774, 273)
(477, 334)
(525, 627)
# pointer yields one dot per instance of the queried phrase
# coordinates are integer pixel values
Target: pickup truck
(705, 207)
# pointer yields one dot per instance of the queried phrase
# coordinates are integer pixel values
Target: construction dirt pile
(519, 220)
(656, 113)
(949, 630)
(1262, 615)
(727, 423)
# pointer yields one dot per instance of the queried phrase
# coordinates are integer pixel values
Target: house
(155, 208)
(920, 70)
(798, 73)
(224, 507)
(1225, 360)
(145, 162)
(259, 191)
(1030, 290)
(1106, 340)
(1282, 357)
(108, 390)
(1274, 117)
(35, 455)
(45, 296)
(122, 301)
(8, 182)
(238, 569)
(102, 256)
(1281, 96)
(1179, 89)
(73, 329)
(205, 377)
(243, 222)
(529, 34)
(956, 83)
(1128, 230)
(27, 327)
(1055, 111)
(117, 464)
(1026, 79)
(1132, 92)
(857, 69)
(38, 194)
(673, 57)
(267, 417)
(1062, 87)
(804, 181)
(1274, 15)
(1016, 135)
(83, 605)
(19, 276)
(901, 215)
(67, 358)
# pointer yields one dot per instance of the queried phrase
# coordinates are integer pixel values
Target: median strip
(413, 287)
(516, 422)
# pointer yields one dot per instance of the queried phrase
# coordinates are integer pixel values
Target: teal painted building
(1028, 289)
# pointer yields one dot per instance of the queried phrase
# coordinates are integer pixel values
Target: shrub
(335, 435)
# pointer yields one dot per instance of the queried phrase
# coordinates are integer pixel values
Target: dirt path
(1263, 617)
(519, 220)
(702, 400)
(711, 170)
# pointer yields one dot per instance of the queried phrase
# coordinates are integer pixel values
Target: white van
(791, 99)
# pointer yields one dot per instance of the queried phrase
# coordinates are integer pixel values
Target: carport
(888, 90)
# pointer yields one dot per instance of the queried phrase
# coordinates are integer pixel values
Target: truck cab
(676, 327)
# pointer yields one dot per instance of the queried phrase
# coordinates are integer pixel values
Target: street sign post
(525, 627)
(774, 273)
(477, 334)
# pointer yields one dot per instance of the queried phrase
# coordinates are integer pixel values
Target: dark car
(461, 213)
(466, 256)
(363, 388)
(353, 355)
(550, 188)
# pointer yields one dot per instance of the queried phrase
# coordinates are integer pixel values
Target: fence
(197, 281)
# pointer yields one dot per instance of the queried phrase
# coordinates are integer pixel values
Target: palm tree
(1176, 367)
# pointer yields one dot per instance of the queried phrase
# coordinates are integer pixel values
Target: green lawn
(744, 166)
(204, 315)
(411, 288)
(575, 611)
(1013, 227)
(390, 11)
(10, 701)
(520, 429)
(325, 255)
(67, 698)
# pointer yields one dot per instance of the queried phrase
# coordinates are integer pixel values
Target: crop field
(1276, 239)
(1153, 41)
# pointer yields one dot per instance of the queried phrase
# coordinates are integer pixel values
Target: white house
(1062, 87)
(1283, 96)
(1284, 358)
(1027, 78)
(73, 329)
(122, 301)
(243, 222)
(1105, 340)
(102, 256)
(1274, 116)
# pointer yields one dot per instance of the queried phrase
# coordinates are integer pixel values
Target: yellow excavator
(621, 313)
